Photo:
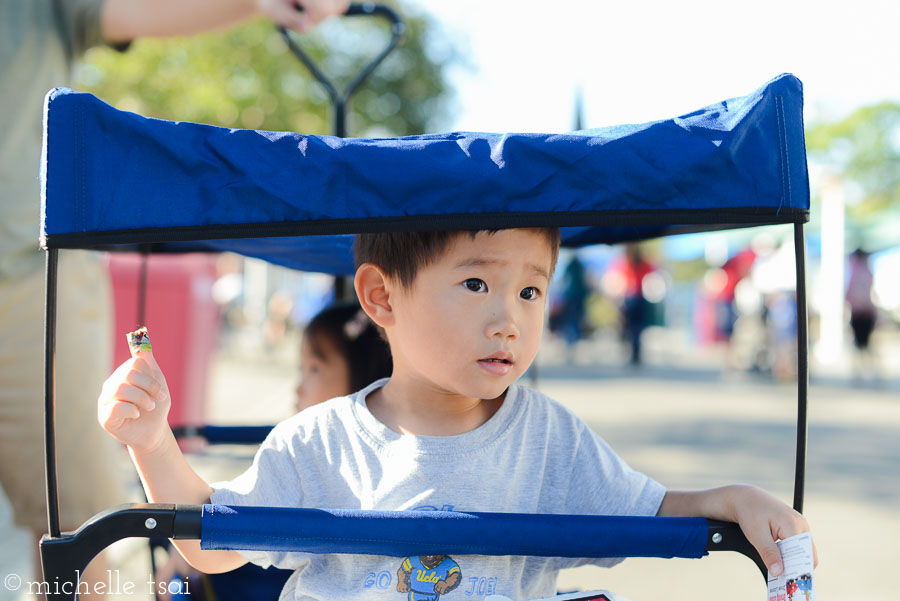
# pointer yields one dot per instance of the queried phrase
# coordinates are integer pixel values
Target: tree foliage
(246, 77)
(864, 149)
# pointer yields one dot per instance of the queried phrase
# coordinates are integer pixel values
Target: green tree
(864, 150)
(246, 77)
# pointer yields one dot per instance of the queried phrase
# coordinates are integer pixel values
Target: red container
(182, 319)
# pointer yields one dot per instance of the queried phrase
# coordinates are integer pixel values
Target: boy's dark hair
(402, 254)
(356, 338)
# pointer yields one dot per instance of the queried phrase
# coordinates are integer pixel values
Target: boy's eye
(475, 285)
(530, 293)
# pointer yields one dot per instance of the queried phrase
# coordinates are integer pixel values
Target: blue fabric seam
(780, 130)
(787, 153)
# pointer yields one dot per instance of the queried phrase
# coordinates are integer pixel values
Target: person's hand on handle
(134, 402)
(301, 15)
(765, 520)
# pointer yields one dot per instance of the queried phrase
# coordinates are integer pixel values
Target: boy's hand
(134, 402)
(764, 519)
(301, 15)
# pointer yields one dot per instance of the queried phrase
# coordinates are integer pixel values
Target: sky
(642, 61)
(636, 61)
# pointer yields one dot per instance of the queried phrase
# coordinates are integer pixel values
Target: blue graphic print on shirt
(427, 577)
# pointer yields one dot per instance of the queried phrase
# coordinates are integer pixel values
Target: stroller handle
(340, 99)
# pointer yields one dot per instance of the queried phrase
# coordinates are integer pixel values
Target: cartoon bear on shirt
(427, 577)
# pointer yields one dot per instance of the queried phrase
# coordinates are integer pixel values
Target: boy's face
(471, 322)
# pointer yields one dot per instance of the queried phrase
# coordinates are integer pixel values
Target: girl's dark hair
(356, 338)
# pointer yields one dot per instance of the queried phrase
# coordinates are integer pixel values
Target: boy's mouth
(498, 363)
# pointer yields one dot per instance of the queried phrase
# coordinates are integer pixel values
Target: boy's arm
(125, 20)
(168, 478)
(133, 407)
(762, 517)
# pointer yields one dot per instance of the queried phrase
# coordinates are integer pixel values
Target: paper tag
(796, 582)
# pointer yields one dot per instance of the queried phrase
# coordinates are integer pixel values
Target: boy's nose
(502, 325)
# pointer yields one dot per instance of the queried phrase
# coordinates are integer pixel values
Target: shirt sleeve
(81, 25)
(602, 483)
(273, 480)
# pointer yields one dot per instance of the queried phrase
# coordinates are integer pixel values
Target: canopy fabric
(406, 533)
(111, 177)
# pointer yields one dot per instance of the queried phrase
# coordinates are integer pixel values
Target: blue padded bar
(406, 533)
(236, 434)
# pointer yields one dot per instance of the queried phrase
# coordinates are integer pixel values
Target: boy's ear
(373, 289)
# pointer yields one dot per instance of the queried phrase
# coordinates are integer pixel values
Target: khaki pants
(91, 466)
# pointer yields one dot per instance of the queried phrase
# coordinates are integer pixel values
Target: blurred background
(682, 351)
(520, 66)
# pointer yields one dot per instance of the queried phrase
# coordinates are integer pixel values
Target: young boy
(449, 430)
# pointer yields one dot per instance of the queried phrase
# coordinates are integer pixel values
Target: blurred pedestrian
(575, 294)
(781, 318)
(773, 275)
(730, 275)
(635, 307)
(735, 269)
(863, 312)
(40, 40)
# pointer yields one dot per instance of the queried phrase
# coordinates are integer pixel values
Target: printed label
(796, 582)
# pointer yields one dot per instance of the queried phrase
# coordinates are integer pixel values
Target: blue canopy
(111, 177)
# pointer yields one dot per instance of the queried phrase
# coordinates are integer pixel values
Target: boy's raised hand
(134, 402)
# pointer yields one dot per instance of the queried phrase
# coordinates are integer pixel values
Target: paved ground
(687, 425)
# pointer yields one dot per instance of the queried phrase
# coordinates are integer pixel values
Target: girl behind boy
(342, 351)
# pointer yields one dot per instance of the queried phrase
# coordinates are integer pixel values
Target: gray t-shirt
(532, 456)
(39, 43)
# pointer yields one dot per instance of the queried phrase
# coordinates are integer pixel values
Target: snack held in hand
(139, 340)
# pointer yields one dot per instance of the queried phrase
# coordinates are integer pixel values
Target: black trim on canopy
(669, 222)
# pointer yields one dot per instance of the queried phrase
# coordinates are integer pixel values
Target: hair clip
(357, 325)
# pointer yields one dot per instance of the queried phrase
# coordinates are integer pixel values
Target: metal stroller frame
(64, 554)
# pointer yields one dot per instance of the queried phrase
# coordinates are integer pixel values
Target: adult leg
(90, 464)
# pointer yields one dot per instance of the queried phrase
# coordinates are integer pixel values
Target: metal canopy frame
(65, 555)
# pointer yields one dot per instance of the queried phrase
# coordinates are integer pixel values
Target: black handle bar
(339, 100)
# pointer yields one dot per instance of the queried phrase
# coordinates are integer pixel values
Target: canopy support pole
(52, 264)
(802, 367)
(142, 284)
